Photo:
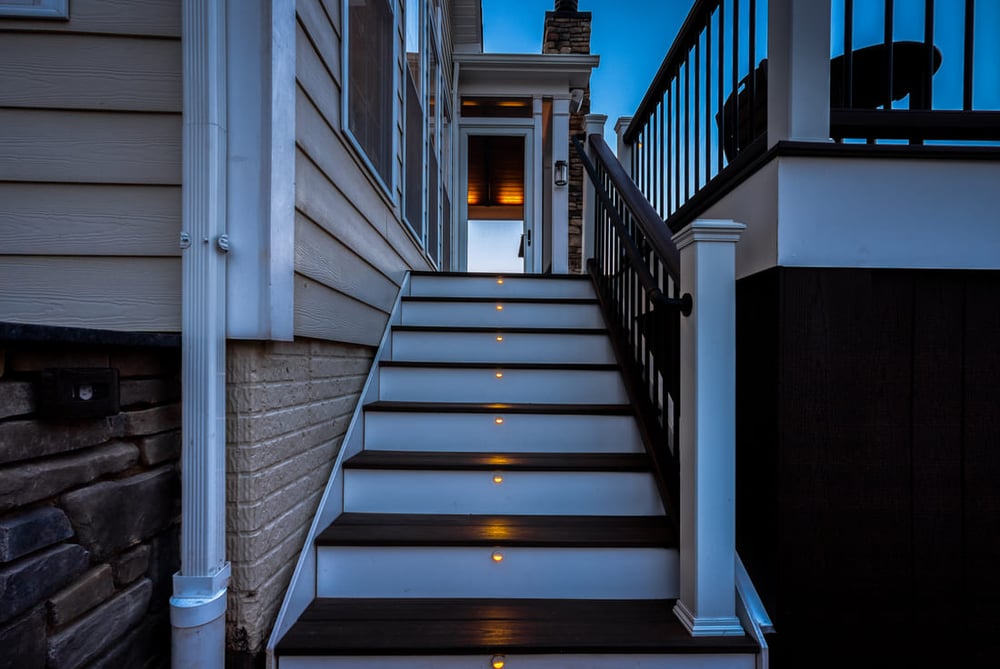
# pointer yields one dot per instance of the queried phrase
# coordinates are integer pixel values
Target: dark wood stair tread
(500, 298)
(545, 366)
(498, 328)
(498, 407)
(504, 275)
(485, 626)
(429, 460)
(400, 529)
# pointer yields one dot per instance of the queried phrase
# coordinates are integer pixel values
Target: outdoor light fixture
(560, 173)
(497, 556)
(498, 662)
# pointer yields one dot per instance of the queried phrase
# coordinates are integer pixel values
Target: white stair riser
(519, 433)
(503, 314)
(514, 347)
(512, 286)
(517, 661)
(525, 493)
(525, 572)
(562, 386)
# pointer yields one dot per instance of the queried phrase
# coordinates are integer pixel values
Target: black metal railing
(636, 269)
(702, 113)
(914, 70)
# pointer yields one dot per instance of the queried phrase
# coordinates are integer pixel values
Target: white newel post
(798, 76)
(707, 605)
(623, 150)
(593, 125)
(560, 194)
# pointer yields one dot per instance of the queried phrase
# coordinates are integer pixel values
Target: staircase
(493, 504)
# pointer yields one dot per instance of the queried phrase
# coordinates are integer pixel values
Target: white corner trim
(261, 170)
(36, 9)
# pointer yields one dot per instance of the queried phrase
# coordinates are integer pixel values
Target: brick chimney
(567, 30)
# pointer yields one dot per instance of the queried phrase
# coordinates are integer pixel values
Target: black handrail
(636, 270)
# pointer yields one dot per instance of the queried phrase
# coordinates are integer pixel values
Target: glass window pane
(369, 68)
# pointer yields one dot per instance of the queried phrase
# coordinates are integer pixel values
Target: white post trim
(707, 605)
(560, 194)
(623, 150)
(798, 71)
(198, 605)
(593, 125)
(261, 170)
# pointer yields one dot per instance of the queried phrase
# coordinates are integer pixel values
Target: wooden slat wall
(90, 167)
(351, 247)
(868, 458)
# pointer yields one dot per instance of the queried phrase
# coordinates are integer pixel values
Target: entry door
(498, 226)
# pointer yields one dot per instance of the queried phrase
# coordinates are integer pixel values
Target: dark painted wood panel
(878, 498)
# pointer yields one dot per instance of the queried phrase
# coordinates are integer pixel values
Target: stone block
(27, 439)
(98, 631)
(113, 515)
(16, 398)
(31, 531)
(31, 580)
(22, 642)
(130, 565)
(145, 647)
(144, 362)
(95, 587)
(159, 448)
(164, 561)
(29, 482)
(149, 391)
(150, 421)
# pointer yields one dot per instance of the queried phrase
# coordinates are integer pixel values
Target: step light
(496, 556)
(499, 307)
(498, 662)
(498, 420)
(499, 337)
(499, 280)
(498, 478)
(499, 375)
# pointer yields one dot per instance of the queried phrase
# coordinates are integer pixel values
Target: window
(37, 9)
(370, 81)
(413, 203)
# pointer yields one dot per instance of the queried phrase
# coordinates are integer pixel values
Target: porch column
(560, 194)
(594, 125)
(707, 605)
(624, 150)
(798, 71)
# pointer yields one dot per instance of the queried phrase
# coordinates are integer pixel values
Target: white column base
(706, 626)
(198, 621)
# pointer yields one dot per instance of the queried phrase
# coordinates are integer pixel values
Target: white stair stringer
(488, 461)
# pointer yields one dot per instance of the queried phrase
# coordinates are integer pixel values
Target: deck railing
(636, 268)
(701, 114)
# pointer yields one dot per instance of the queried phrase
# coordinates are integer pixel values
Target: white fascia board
(261, 181)
(526, 73)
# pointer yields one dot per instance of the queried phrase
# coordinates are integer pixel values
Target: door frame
(532, 186)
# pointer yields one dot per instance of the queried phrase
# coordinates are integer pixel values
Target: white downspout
(198, 605)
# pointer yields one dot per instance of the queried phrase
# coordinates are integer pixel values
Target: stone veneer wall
(569, 32)
(288, 407)
(89, 513)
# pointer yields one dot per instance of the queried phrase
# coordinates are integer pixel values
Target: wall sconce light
(561, 173)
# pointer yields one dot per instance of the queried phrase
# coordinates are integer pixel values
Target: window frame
(388, 190)
(40, 9)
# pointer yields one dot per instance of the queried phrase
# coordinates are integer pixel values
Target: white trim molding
(35, 9)
(261, 170)
(707, 605)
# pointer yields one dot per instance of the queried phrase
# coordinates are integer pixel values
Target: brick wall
(288, 407)
(89, 513)
(569, 32)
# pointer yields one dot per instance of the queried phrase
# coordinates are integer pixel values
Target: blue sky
(630, 36)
